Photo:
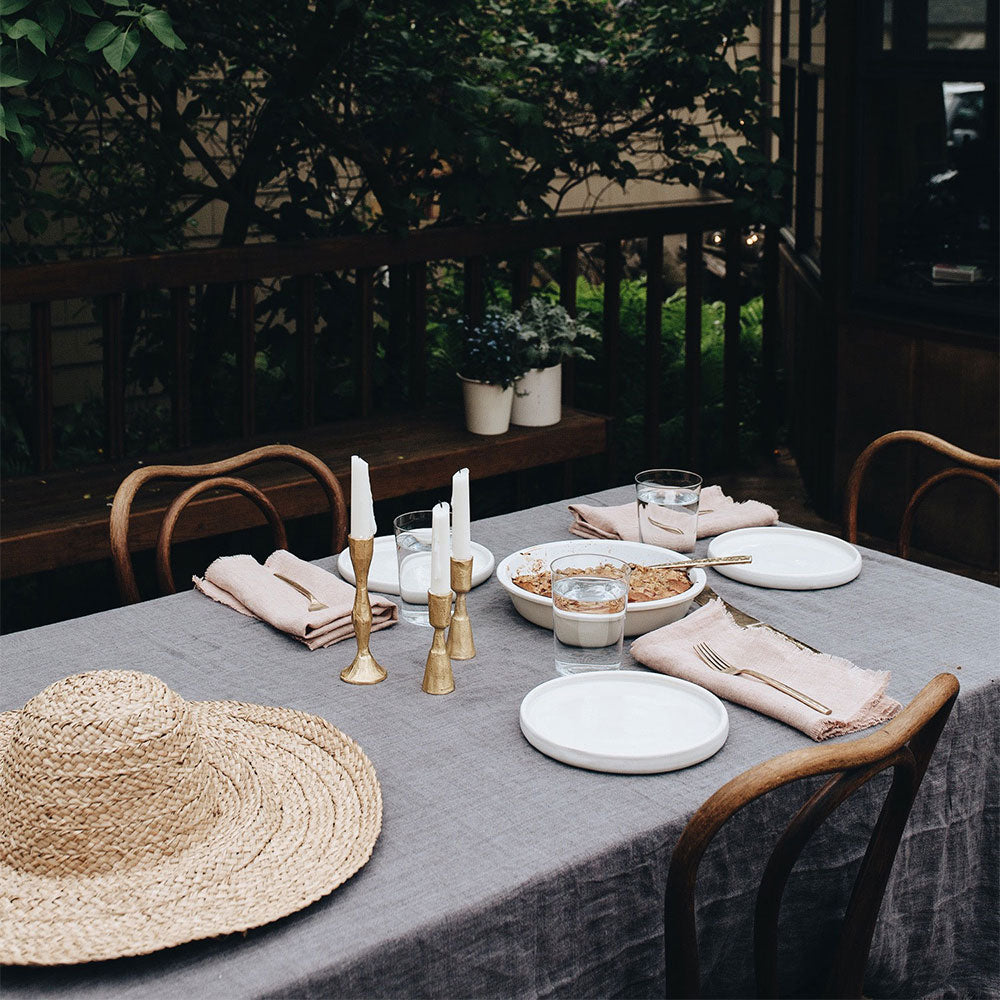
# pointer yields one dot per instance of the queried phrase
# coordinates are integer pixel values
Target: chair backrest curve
(980, 468)
(905, 744)
(216, 475)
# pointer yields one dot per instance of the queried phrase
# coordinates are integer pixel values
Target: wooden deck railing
(110, 280)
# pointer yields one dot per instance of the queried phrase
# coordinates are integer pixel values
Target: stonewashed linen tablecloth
(502, 873)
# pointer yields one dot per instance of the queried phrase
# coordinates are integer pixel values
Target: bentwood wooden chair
(905, 744)
(970, 466)
(212, 478)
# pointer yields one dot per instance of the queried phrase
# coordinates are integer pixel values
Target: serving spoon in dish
(697, 563)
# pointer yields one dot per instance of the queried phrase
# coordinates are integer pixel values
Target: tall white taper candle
(461, 541)
(440, 550)
(362, 509)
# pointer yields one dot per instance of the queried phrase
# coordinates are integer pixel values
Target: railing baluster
(769, 337)
(569, 268)
(418, 333)
(114, 377)
(366, 340)
(654, 346)
(731, 347)
(612, 338)
(614, 265)
(397, 338)
(180, 402)
(41, 358)
(521, 270)
(247, 355)
(692, 346)
(475, 303)
(305, 328)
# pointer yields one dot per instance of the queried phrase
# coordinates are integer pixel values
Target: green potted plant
(491, 363)
(547, 336)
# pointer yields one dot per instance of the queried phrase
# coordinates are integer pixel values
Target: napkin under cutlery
(857, 697)
(243, 584)
(717, 513)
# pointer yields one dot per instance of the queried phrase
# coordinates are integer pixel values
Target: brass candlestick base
(460, 644)
(364, 668)
(438, 678)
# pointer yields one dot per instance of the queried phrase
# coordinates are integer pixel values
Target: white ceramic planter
(538, 397)
(487, 407)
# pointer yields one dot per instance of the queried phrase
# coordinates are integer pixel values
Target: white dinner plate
(383, 574)
(787, 558)
(624, 721)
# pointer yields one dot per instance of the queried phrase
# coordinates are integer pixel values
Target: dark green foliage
(490, 350)
(344, 115)
(549, 335)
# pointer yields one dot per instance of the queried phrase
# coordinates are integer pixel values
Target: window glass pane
(956, 24)
(793, 29)
(817, 52)
(818, 224)
(786, 143)
(887, 24)
(935, 163)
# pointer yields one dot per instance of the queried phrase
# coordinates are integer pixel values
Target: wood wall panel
(894, 377)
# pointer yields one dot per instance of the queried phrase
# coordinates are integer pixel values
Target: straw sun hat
(132, 820)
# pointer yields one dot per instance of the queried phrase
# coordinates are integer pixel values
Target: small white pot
(487, 406)
(538, 397)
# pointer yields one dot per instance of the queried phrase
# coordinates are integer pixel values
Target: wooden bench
(61, 518)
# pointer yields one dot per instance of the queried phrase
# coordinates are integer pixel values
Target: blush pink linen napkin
(716, 513)
(857, 697)
(241, 583)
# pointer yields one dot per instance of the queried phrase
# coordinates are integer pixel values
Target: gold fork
(314, 604)
(716, 662)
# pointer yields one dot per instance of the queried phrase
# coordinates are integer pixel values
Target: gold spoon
(314, 605)
(696, 563)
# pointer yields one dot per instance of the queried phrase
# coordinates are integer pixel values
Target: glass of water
(668, 507)
(589, 599)
(413, 560)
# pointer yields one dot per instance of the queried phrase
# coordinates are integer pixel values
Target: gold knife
(748, 621)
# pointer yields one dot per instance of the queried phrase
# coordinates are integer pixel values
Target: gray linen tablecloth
(500, 872)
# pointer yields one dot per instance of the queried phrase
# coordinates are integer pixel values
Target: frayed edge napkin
(241, 583)
(857, 697)
(716, 513)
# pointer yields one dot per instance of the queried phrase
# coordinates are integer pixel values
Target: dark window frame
(798, 113)
(910, 60)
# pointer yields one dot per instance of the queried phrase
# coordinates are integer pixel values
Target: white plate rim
(654, 763)
(731, 542)
(480, 575)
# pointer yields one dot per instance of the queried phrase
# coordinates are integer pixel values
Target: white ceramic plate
(383, 574)
(788, 558)
(624, 721)
(639, 618)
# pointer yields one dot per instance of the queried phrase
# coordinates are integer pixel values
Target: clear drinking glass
(413, 560)
(668, 507)
(589, 599)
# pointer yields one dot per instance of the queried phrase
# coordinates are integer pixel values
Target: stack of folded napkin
(241, 583)
(856, 696)
(716, 513)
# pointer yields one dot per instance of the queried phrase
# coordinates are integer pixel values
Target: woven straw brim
(299, 812)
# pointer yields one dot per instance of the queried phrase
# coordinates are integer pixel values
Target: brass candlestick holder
(364, 668)
(438, 678)
(460, 644)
